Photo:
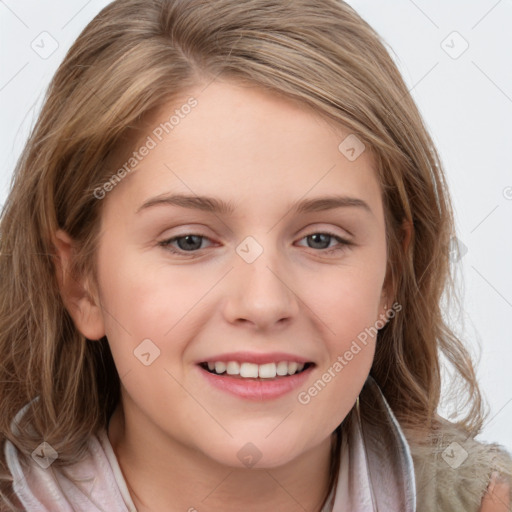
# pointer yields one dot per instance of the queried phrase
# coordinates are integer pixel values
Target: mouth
(256, 382)
(251, 371)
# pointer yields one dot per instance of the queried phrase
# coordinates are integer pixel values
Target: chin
(257, 454)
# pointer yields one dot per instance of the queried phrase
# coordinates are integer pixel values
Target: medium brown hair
(133, 57)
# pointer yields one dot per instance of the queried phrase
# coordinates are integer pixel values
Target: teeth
(251, 370)
(282, 368)
(267, 371)
(233, 368)
(248, 370)
(220, 367)
(292, 368)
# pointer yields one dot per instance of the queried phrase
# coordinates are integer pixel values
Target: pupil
(188, 239)
(315, 238)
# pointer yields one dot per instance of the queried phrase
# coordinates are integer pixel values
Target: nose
(261, 293)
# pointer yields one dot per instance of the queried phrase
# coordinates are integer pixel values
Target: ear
(80, 300)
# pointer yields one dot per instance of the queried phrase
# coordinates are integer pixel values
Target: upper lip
(255, 358)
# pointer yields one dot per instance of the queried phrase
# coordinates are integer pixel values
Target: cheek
(347, 299)
(147, 300)
(347, 309)
(346, 303)
(145, 319)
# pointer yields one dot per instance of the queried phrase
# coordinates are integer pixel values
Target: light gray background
(465, 98)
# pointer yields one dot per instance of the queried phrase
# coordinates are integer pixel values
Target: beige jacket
(391, 470)
(453, 470)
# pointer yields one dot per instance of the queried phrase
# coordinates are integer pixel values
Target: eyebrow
(214, 205)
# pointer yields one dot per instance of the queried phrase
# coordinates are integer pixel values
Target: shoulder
(43, 483)
(453, 470)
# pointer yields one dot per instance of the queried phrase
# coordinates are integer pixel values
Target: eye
(191, 243)
(321, 240)
(186, 243)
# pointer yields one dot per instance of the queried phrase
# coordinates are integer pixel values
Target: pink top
(102, 485)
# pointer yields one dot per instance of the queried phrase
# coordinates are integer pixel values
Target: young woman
(289, 358)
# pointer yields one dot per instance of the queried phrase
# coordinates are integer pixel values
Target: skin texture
(497, 497)
(175, 436)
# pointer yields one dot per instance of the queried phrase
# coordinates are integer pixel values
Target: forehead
(241, 141)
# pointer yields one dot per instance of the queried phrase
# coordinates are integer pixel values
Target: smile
(257, 382)
(251, 370)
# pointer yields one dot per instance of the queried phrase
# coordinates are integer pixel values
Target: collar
(376, 470)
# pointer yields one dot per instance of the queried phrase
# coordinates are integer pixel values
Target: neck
(165, 475)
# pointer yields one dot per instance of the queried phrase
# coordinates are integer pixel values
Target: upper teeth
(263, 371)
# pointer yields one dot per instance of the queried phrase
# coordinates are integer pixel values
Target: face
(275, 276)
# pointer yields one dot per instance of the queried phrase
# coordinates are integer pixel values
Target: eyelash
(344, 244)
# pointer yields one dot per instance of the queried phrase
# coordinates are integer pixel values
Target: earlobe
(76, 293)
(385, 305)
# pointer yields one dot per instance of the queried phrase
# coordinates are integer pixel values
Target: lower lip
(257, 389)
